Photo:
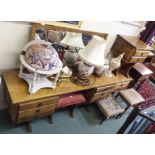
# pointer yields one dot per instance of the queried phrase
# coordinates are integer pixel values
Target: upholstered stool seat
(109, 107)
(131, 96)
(70, 100)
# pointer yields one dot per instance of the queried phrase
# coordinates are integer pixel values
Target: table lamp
(92, 56)
(74, 42)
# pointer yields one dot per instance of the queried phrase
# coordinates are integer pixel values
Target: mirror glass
(55, 37)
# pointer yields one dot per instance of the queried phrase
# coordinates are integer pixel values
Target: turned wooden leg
(118, 116)
(29, 126)
(50, 118)
(102, 121)
(71, 111)
(86, 108)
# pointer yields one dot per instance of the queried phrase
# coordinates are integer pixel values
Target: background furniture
(139, 72)
(135, 51)
(147, 91)
(24, 107)
(138, 122)
(131, 98)
(109, 107)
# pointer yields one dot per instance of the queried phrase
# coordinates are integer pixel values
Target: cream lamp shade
(93, 53)
(73, 39)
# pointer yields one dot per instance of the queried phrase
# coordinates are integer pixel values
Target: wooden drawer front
(122, 84)
(101, 89)
(37, 112)
(139, 53)
(40, 103)
(100, 94)
(136, 59)
(95, 99)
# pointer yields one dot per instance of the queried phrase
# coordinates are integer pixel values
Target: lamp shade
(93, 53)
(73, 39)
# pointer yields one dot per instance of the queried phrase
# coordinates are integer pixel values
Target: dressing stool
(110, 108)
(131, 98)
(70, 100)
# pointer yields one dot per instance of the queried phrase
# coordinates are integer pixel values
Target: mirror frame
(36, 26)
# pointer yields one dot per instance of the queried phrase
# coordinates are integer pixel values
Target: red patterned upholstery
(70, 99)
(147, 90)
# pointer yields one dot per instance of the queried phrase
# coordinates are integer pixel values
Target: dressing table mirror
(67, 41)
(55, 34)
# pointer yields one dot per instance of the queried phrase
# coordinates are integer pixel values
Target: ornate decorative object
(114, 63)
(42, 61)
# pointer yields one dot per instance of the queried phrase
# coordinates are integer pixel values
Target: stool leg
(102, 121)
(29, 126)
(124, 111)
(50, 118)
(86, 108)
(118, 116)
(71, 111)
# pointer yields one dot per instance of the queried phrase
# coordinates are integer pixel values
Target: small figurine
(114, 63)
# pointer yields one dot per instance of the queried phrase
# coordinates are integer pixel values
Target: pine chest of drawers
(135, 50)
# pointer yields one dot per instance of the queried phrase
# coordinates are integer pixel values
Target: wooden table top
(18, 88)
(137, 43)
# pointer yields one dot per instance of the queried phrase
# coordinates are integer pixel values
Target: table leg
(71, 111)
(29, 126)
(50, 118)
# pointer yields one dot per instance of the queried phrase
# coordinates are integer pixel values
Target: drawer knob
(40, 104)
(102, 94)
(38, 110)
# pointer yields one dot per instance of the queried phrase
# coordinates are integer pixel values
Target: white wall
(112, 28)
(14, 35)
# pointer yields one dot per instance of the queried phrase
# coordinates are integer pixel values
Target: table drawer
(37, 112)
(140, 53)
(95, 99)
(39, 103)
(122, 84)
(136, 59)
(100, 94)
(101, 89)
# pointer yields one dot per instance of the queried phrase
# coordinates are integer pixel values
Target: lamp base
(80, 80)
(81, 77)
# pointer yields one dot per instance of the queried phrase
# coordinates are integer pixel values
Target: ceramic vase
(85, 70)
(114, 63)
(99, 71)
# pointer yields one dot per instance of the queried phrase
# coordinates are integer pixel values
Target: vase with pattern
(114, 63)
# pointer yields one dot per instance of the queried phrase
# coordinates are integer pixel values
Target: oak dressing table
(24, 107)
